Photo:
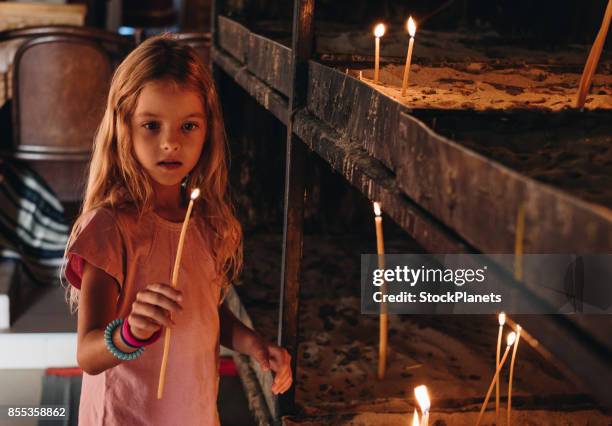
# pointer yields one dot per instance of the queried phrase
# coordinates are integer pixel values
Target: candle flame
(422, 397)
(379, 31)
(411, 26)
(377, 208)
(518, 330)
(501, 318)
(195, 193)
(511, 338)
(415, 418)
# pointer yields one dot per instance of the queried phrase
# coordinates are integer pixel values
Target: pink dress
(138, 253)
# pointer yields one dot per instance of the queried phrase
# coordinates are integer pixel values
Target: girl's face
(168, 129)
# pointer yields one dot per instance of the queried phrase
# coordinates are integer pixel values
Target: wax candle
(518, 337)
(383, 319)
(379, 31)
(502, 320)
(175, 274)
(510, 340)
(411, 26)
(518, 242)
(593, 59)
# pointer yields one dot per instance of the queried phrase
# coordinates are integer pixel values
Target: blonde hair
(116, 178)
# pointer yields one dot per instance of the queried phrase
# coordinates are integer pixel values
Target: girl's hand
(152, 309)
(277, 359)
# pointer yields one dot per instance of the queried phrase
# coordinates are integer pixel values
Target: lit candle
(415, 418)
(502, 320)
(379, 31)
(383, 321)
(411, 30)
(423, 399)
(510, 340)
(518, 337)
(175, 274)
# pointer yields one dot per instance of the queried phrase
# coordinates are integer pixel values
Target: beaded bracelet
(134, 342)
(108, 339)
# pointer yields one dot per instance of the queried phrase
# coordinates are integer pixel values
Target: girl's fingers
(283, 376)
(281, 384)
(280, 361)
(145, 326)
(168, 291)
(279, 358)
(159, 299)
(155, 313)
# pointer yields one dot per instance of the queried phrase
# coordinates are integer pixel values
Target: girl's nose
(169, 144)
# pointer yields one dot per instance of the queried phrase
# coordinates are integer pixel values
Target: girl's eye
(151, 125)
(190, 126)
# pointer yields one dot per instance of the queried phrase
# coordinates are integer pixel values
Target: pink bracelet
(130, 340)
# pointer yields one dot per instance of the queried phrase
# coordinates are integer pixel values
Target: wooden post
(302, 39)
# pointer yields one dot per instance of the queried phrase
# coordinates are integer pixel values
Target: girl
(162, 128)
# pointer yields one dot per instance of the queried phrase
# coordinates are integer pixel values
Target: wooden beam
(302, 40)
(265, 95)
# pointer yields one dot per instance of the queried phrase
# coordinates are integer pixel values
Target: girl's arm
(98, 307)
(234, 334)
(237, 336)
(97, 304)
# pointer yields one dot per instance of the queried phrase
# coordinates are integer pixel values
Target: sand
(479, 86)
(452, 355)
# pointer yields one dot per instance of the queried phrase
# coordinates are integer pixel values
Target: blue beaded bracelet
(108, 339)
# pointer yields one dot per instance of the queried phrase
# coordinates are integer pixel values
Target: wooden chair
(61, 77)
(67, 30)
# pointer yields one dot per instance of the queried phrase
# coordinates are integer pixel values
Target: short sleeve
(98, 242)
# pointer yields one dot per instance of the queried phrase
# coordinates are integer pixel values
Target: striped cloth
(33, 228)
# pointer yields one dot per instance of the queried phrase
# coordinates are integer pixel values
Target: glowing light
(377, 208)
(511, 338)
(422, 397)
(411, 27)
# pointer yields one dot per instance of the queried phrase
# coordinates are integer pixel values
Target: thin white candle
(411, 26)
(502, 320)
(175, 274)
(422, 396)
(379, 31)
(518, 337)
(510, 340)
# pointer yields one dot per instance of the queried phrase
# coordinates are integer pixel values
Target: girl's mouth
(170, 165)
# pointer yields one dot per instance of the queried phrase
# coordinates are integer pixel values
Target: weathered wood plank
(267, 97)
(376, 182)
(271, 62)
(461, 188)
(233, 38)
(355, 110)
(453, 183)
